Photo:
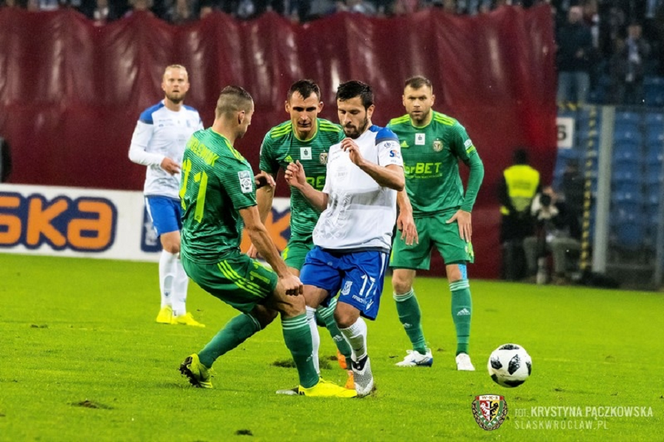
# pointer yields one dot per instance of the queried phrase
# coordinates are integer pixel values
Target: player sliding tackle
(353, 234)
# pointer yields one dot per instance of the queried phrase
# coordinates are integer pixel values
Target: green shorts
(296, 250)
(432, 231)
(237, 280)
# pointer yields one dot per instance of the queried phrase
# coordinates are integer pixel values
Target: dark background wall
(70, 92)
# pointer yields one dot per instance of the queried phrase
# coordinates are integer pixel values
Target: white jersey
(360, 214)
(161, 133)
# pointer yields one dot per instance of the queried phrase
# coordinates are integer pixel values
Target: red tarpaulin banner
(71, 92)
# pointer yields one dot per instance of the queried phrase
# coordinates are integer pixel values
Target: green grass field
(82, 359)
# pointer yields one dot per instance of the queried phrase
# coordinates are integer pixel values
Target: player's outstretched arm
(295, 177)
(260, 238)
(405, 221)
(265, 184)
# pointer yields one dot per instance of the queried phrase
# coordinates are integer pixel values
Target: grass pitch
(83, 359)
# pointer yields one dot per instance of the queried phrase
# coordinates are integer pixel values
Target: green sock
(411, 318)
(298, 340)
(234, 333)
(326, 315)
(462, 308)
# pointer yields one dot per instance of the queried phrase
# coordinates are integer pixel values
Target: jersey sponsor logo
(423, 170)
(305, 153)
(289, 159)
(245, 181)
(84, 224)
(420, 139)
(438, 145)
(404, 145)
(467, 143)
(322, 157)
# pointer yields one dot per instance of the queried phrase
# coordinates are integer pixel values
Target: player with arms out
(353, 234)
(158, 143)
(304, 138)
(432, 145)
(218, 196)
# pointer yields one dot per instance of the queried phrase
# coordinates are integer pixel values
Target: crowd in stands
(606, 48)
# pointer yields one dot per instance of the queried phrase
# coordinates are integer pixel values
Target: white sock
(180, 283)
(315, 337)
(356, 335)
(166, 276)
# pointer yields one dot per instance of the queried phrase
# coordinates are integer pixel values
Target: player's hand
(264, 179)
(349, 145)
(292, 284)
(170, 166)
(295, 175)
(252, 252)
(406, 225)
(463, 219)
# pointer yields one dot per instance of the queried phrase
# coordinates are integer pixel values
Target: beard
(176, 97)
(352, 132)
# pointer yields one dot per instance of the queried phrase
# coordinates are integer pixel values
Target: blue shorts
(165, 213)
(359, 276)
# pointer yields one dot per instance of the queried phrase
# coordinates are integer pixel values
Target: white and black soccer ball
(510, 365)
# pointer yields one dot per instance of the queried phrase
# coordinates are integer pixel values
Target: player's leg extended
(404, 261)
(461, 312)
(361, 289)
(326, 315)
(313, 297)
(298, 338)
(235, 332)
(408, 308)
(165, 224)
(295, 255)
(171, 244)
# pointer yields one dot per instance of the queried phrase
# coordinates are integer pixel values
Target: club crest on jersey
(420, 139)
(323, 157)
(438, 145)
(245, 181)
(490, 411)
(305, 153)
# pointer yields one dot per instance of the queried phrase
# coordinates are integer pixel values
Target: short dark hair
(305, 88)
(233, 99)
(355, 88)
(417, 82)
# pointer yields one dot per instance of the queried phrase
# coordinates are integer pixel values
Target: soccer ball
(509, 365)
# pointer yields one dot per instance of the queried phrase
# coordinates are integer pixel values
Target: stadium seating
(653, 88)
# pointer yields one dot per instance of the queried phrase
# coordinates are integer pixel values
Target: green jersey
(282, 146)
(216, 183)
(431, 157)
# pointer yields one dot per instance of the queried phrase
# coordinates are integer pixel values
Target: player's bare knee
(264, 315)
(401, 286)
(345, 315)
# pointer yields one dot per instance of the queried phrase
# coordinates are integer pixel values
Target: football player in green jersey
(307, 139)
(218, 197)
(432, 145)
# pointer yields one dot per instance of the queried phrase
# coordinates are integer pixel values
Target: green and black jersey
(431, 157)
(281, 146)
(216, 183)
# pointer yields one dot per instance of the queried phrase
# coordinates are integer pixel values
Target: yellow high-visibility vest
(522, 182)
